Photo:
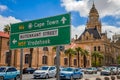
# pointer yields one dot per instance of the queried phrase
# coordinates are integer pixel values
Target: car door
(8, 74)
(76, 73)
(52, 71)
(14, 72)
(49, 72)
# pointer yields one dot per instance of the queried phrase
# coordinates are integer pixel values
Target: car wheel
(71, 78)
(17, 77)
(46, 76)
(81, 76)
(34, 77)
(1, 78)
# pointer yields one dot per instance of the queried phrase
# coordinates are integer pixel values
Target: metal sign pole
(21, 63)
(58, 62)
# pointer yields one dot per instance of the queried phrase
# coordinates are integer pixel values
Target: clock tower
(93, 19)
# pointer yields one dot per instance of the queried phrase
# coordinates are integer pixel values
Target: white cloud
(7, 20)
(111, 30)
(104, 7)
(3, 7)
(77, 30)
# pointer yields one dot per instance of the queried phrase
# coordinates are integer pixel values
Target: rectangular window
(75, 62)
(27, 58)
(7, 58)
(98, 48)
(65, 61)
(95, 48)
(44, 59)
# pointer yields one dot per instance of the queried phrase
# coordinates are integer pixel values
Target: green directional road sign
(49, 31)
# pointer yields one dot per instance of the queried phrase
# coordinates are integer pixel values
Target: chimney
(76, 37)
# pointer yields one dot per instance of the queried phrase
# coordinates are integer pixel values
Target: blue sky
(12, 11)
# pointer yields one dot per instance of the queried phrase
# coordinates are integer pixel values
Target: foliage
(69, 52)
(96, 58)
(7, 29)
(118, 59)
(94, 64)
(79, 51)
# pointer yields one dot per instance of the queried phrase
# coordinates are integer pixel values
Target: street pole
(58, 62)
(21, 63)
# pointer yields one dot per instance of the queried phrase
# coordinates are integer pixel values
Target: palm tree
(30, 57)
(69, 52)
(100, 58)
(85, 53)
(78, 50)
(97, 55)
(7, 30)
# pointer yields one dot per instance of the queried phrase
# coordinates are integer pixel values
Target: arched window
(98, 48)
(95, 48)
(27, 58)
(65, 61)
(75, 62)
(86, 37)
(44, 59)
(55, 61)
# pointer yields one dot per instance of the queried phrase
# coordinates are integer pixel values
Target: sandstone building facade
(92, 39)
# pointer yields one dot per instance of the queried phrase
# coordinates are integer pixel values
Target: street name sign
(49, 31)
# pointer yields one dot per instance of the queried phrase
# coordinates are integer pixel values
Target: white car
(91, 70)
(45, 72)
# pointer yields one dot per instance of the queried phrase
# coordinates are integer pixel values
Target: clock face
(91, 17)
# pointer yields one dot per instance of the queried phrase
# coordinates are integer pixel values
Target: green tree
(101, 57)
(7, 30)
(69, 52)
(85, 53)
(78, 50)
(97, 56)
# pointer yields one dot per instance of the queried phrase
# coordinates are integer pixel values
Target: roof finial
(93, 3)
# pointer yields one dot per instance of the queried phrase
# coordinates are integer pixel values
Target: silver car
(91, 70)
(45, 72)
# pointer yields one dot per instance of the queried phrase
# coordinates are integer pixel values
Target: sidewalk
(102, 78)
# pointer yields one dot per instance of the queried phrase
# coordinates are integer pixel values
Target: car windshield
(106, 69)
(2, 69)
(29, 68)
(44, 68)
(89, 68)
(67, 69)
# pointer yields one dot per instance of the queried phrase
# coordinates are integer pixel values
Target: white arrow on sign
(14, 41)
(63, 20)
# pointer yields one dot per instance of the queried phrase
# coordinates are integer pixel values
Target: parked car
(71, 73)
(9, 73)
(91, 70)
(45, 72)
(105, 71)
(28, 70)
